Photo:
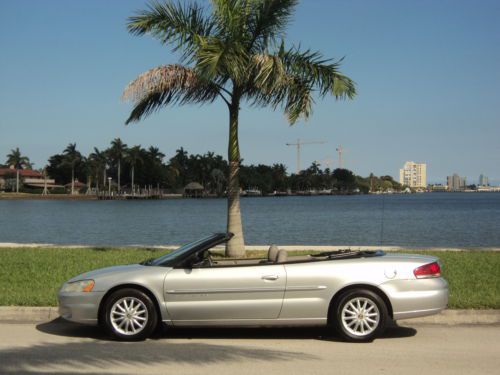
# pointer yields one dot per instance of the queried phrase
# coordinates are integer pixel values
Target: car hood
(106, 271)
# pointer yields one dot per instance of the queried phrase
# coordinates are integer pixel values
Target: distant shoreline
(7, 245)
(83, 197)
(28, 196)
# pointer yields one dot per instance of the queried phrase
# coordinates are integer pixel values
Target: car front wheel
(129, 315)
(360, 315)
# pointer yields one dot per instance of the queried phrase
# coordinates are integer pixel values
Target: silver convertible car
(356, 292)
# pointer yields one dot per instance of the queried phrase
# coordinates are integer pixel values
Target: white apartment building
(413, 175)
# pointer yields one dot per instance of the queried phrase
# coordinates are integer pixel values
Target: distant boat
(253, 193)
(325, 192)
(280, 193)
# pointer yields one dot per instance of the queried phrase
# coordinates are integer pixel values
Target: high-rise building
(456, 183)
(413, 175)
(483, 180)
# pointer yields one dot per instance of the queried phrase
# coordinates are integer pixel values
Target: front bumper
(416, 298)
(80, 307)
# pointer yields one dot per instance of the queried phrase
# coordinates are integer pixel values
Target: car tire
(360, 315)
(129, 315)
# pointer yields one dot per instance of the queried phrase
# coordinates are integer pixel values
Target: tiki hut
(194, 190)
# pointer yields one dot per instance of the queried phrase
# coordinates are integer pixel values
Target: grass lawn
(32, 276)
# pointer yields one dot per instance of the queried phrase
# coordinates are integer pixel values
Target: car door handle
(270, 277)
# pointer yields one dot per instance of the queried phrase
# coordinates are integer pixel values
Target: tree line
(133, 167)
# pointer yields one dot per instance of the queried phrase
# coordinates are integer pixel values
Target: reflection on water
(436, 219)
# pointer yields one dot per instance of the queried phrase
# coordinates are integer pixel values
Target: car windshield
(179, 252)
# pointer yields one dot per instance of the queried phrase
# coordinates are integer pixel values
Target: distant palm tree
(18, 161)
(117, 152)
(134, 157)
(72, 157)
(87, 165)
(218, 178)
(233, 52)
(100, 161)
(155, 154)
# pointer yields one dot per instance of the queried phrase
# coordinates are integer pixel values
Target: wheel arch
(369, 287)
(139, 287)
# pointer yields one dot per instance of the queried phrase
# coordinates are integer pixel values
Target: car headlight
(78, 286)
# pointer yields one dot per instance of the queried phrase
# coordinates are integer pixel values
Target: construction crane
(340, 150)
(298, 145)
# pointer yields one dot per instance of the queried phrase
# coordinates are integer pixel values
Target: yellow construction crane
(298, 145)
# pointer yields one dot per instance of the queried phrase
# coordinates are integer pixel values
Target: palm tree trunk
(119, 173)
(17, 180)
(89, 184)
(236, 246)
(72, 180)
(133, 170)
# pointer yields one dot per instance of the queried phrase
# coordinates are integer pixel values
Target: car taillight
(427, 270)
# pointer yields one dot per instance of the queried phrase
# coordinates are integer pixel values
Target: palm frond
(268, 72)
(182, 25)
(299, 100)
(269, 19)
(167, 84)
(216, 58)
(293, 94)
(322, 73)
(228, 51)
(231, 18)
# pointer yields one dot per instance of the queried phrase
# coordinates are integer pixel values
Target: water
(419, 220)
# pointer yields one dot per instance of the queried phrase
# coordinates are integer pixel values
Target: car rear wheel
(360, 315)
(129, 315)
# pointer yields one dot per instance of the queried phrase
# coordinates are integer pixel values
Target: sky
(427, 75)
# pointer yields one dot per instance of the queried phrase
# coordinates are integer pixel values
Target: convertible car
(356, 292)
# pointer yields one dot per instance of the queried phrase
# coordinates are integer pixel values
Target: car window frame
(180, 262)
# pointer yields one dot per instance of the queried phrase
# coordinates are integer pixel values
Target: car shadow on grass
(60, 327)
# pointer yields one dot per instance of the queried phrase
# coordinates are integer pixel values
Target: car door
(225, 293)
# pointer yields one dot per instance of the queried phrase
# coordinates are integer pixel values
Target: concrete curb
(457, 317)
(22, 314)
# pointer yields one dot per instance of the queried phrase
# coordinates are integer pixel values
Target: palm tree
(232, 51)
(18, 161)
(88, 166)
(218, 178)
(117, 152)
(100, 161)
(134, 158)
(72, 157)
(155, 154)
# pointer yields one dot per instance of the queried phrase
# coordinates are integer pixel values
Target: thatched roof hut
(194, 190)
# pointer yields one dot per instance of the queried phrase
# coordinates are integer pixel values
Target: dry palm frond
(161, 78)
(269, 72)
(167, 84)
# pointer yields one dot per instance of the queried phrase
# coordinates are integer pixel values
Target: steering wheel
(209, 259)
(204, 259)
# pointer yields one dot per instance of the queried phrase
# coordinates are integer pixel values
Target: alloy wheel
(129, 316)
(360, 316)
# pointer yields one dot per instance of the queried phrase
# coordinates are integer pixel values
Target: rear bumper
(416, 298)
(80, 307)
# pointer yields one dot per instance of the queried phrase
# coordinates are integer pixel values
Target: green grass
(32, 276)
